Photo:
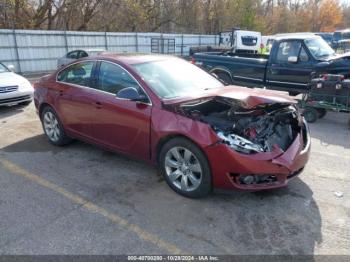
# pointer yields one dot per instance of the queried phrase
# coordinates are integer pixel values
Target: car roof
(323, 33)
(133, 58)
(343, 31)
(297, 36)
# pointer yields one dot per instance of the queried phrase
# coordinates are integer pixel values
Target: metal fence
(32, 51)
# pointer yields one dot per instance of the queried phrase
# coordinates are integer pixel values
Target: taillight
(332, 77)
(193, 60)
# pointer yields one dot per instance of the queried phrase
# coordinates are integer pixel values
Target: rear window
(78, 74)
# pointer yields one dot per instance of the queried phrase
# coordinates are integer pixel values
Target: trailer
(327, 93)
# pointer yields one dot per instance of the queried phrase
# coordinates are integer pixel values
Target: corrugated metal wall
(32, 51)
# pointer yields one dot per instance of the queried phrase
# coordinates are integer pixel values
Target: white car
(14, 89)
(77, 54)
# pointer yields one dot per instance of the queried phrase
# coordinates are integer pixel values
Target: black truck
(293, 61)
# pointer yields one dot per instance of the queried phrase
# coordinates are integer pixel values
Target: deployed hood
(247, 97)
(11, 79)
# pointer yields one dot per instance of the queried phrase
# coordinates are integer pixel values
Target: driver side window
(73, 55)
(112, 78)
(303, 56)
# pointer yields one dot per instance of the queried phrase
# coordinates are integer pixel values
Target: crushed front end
(259, 147)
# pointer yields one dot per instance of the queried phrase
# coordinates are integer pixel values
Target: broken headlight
(240, 144)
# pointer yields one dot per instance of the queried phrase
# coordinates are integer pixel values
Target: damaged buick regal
(168, 112)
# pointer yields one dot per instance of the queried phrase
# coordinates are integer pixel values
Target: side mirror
(131, 93)
(292, 59)
(11, 68)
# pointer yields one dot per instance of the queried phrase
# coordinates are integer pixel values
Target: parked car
(14, 89)
(294, 59)
(169, 112)
(339, 36)
(77, 54)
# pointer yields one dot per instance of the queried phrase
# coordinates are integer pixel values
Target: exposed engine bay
(248, 131)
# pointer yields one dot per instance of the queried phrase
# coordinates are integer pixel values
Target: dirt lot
(80, 199)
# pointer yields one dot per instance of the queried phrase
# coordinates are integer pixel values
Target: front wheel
(25, 103)
(310, 114)
(321, 112)
(53, 128)
(185, 168)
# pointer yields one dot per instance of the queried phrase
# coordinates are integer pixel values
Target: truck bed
(249, 69)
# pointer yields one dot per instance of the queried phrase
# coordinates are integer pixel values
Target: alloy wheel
(51, 126)
(183, 169)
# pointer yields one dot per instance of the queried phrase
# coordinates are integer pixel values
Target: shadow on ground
(7, 111)
(281, 221)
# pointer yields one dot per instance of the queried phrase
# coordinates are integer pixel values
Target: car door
(75, 101)
(291, 67)
(120, 124)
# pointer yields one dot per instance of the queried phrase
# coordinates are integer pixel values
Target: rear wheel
(53, 128)
(225, 77)
(185, 168)
(310, 114)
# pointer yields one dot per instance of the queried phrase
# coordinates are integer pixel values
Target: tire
(185, 168)
(50, 121)
(224, 77)
(321, 112)
(310, 114)
(293, 93)
(25, 103)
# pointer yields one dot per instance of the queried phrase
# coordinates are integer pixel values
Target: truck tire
(224, 77)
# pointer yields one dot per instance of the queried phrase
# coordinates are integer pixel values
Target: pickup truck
(293, 60)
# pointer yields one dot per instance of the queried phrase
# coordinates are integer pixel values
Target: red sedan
(168, 112)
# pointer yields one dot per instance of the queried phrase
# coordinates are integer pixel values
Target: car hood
(10, 78)
(248, 97)
(337, 57)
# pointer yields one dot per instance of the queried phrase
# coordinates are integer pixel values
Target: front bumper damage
(266, 170)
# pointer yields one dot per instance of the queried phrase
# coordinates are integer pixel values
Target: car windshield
(173, 78)
(3, 68)
(318, 47)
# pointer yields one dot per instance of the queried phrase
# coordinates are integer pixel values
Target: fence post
(16, 51)
(65, 41)
(215, 39)
(136, 43)
(106, 41)
(162, 44)
(200, 40)
(182, 44)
